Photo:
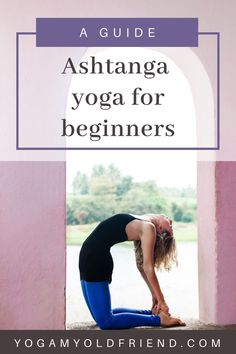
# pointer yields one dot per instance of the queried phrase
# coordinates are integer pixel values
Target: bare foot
(168, 321)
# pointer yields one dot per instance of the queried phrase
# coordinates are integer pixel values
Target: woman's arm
(148, 239)
(154, 300)
(143, 275)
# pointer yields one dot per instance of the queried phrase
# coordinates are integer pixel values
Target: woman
(154, 246)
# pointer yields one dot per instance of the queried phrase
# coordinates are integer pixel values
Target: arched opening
(182, 173)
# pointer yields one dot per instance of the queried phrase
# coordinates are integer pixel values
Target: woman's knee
(104, 322)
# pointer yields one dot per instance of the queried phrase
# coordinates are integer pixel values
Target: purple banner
(116, 32)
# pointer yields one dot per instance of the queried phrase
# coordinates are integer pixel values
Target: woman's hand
(160, 306)
(154, 304)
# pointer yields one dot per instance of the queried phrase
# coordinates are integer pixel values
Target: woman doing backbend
(154, 247)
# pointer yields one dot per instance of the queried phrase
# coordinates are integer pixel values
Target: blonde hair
(165, 253)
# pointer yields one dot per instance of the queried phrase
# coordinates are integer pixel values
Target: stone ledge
(191, 324)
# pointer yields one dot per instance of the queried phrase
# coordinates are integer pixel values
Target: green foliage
(177, 212)
(140, 200)
(188, 216)
(80, 183)
(124, 185)
(71, 218)
(106, 192)
(98, 171)
(184, 212)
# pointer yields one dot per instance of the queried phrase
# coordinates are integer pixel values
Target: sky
(167, 168)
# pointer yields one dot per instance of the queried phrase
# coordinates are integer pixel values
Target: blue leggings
(98, 300)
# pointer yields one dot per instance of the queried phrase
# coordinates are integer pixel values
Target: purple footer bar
(117, 32)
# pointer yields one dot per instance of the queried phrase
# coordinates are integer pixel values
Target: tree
(71, 218)
(177, 212)
(102, 186)
(106, 192)
(188, 216)
(124, 186)
(80, 183)
(139, 201)
(82, 216)
(113, 172)
(98, 171)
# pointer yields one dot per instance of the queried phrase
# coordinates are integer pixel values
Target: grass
(76, 234)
